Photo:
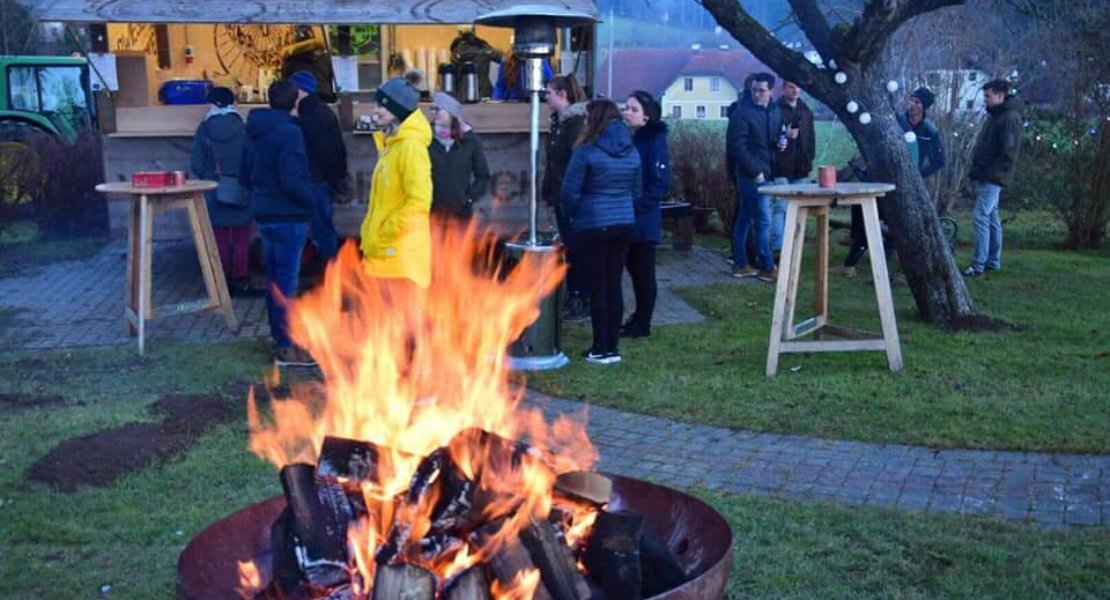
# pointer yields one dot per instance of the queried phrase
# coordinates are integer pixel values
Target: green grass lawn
(1042, 386)
(128, 536)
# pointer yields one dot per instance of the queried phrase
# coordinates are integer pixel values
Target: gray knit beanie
(398, 97)
(448, 103)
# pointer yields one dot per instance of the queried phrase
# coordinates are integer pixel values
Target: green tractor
(39, 96)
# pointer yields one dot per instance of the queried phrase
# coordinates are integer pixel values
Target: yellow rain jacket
(396, 233)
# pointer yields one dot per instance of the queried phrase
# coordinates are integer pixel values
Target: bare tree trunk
(861, 53)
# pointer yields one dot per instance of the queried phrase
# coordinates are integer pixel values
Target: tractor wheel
(21, 171)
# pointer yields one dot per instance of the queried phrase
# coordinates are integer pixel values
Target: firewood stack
(581, 551)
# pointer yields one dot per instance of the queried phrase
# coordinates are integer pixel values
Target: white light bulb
(832, 63)
(892, 86)
(910, 137)
(852, 107)
(865, 118)
(840, 77)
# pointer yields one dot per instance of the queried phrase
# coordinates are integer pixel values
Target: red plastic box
(151, 179)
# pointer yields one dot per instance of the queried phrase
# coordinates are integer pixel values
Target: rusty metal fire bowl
(698, 535)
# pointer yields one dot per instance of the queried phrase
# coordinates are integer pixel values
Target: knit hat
(924, 96)
(448, 103)
(398, 97)
(305, 80)
(220, 96)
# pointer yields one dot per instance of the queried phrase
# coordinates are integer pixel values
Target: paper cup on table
(826, 176)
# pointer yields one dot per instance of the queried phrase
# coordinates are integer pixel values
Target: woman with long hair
(460, 174)
(511, 84)
(643, 115)
(601, 186)
(568, 115)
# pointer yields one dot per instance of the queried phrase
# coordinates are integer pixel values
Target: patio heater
(534, 35)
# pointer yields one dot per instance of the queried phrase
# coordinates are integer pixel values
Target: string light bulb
(910, 137)
(892, 86)
(840, 77)
(865, 118)
(852, 107)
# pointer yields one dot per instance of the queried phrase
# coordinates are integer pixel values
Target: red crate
(149, 179)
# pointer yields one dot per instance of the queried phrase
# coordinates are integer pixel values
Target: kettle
(469, 83)
(447, 78)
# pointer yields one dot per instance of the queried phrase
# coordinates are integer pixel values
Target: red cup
(826, 176)
(179, 177)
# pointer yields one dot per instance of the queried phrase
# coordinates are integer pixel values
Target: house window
(699, 112)
(724, 112)
(676, 112)
(714, 84)
(688, 84)
(970, 104)
(972, 76)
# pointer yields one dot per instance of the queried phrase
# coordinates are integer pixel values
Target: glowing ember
(419, 371)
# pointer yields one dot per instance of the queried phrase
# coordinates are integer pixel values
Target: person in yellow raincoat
(396, 233)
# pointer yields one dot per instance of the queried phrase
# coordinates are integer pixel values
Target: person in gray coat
(217, 149)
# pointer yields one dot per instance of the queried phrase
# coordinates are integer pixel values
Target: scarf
(216, 111)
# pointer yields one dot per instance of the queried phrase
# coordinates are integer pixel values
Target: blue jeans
(754, 210)
(778, 214)
(324, 235)
(988, 227)
(282, 244)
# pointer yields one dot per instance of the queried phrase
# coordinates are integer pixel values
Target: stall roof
(280, 11)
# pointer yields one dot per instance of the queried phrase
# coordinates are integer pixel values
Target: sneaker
(972, 272)
(741, 272)
(602, 358)
(293, 357)
(990, 268)
(769, 276)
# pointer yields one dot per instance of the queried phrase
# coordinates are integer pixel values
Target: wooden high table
(803, 200)
(145, 203)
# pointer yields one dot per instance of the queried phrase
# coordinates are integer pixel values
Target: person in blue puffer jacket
(644, 117)
(602, 185)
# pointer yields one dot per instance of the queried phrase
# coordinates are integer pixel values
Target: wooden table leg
(794, 268)
(146, 242)
(791, 246)
(821, 289)
(209, 256)
(882, 283)
(134, 252)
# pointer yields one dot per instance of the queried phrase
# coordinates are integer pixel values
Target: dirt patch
(978, 323)
(21, 401)
(97, 460)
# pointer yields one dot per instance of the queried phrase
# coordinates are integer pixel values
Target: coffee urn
(469, 83)
(447, 78)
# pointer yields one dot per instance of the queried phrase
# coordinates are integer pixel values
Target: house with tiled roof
(691, 83)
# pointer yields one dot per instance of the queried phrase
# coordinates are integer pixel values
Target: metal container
(537, 348)
(447, 78)
(469, 83)
(698, 535)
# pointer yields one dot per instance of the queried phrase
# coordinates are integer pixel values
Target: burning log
(354, 460)
(551, 556)
(404, 582)
(612, 556)
(471, 584)
(320, 514)
(509, 561)
(660, 568)
(585, 485)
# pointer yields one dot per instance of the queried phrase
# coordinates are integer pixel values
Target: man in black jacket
(275, 171)
(930, 147)
(752, 141)
(327, 161)
(794, 162)
(992, 168)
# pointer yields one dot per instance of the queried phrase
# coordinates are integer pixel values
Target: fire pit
(412, 471)
(696, 533)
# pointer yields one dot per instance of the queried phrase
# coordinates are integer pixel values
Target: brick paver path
(80, 303)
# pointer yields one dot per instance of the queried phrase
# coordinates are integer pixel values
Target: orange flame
(250, 580)
(523, 587)
(408, 369)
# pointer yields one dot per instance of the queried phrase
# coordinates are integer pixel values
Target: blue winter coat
(275, 168)
(752, 138)
(603, 181)
(655, 165)
(219, 143)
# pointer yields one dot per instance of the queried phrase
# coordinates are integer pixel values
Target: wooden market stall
(142, 50)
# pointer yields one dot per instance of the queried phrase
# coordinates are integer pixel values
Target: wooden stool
(145, 203)
(804, 200)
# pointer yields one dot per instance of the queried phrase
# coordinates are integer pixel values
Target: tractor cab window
(58, 92)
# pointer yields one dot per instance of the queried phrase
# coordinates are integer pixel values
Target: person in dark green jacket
(460, 174)
(992, 168)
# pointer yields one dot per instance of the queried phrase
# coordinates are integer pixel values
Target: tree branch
(815, 26)
(771, 52)
(871, 32)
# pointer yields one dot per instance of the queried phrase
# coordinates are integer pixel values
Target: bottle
(782, 139)
(469, 83)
